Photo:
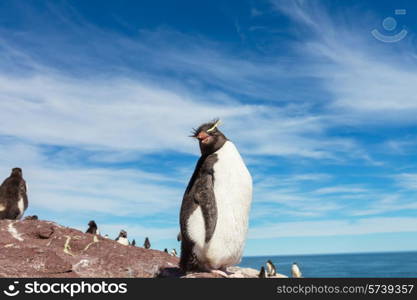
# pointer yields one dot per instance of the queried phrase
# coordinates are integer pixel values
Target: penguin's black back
(11, 190)
(92, 227)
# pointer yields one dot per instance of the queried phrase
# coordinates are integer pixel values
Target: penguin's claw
(236, 275)
(220, 272)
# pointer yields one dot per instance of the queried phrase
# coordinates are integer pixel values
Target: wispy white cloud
(62, 187)
(386, 204)
(407, 180)
(119, 111)
(346, 189)
(369, 81)
(334, 227)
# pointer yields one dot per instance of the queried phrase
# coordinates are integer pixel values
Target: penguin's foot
(236, 275)
(226, 274)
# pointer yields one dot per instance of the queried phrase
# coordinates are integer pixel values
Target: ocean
(392, 264)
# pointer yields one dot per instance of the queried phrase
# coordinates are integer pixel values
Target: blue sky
(98, 99)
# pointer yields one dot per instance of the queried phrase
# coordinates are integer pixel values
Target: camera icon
(11, 290)
(390, 24)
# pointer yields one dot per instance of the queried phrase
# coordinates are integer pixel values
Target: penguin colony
(271, 270)
(214, 211)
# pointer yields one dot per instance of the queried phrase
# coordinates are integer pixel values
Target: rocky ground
(36, 248)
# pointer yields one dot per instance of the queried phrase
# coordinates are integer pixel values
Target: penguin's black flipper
(206, 199)
(199, 192)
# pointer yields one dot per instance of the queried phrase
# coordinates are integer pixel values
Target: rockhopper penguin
(92, 228)
(295, 271)
(13, 197)
(216, 203)
(270, 268)
(147, 243)
(122, 238)
(262, 273)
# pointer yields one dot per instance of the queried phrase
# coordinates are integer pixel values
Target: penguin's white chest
(233, 194)
(123, 241)
(21, 207)
(296, 273)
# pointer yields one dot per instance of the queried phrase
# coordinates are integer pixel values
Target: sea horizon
(330, 253)
(368, 264)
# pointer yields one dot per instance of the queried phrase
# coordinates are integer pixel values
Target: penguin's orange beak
(202, 136)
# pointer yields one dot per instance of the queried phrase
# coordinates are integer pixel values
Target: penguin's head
(209, 137)
(123, 233)
(92, 224)
(17, 172)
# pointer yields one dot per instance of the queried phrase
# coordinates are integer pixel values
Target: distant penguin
(92, 228)
(262, 273)
(215, 207)
(295, 270)
(34, 217)
(270, 268)
(166, 250)
(133, 242)
(147, 243)
(174, 252)
(122, 238)
(106, 236)
(13, 196)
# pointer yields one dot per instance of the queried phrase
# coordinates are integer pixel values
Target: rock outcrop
(36, 248)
